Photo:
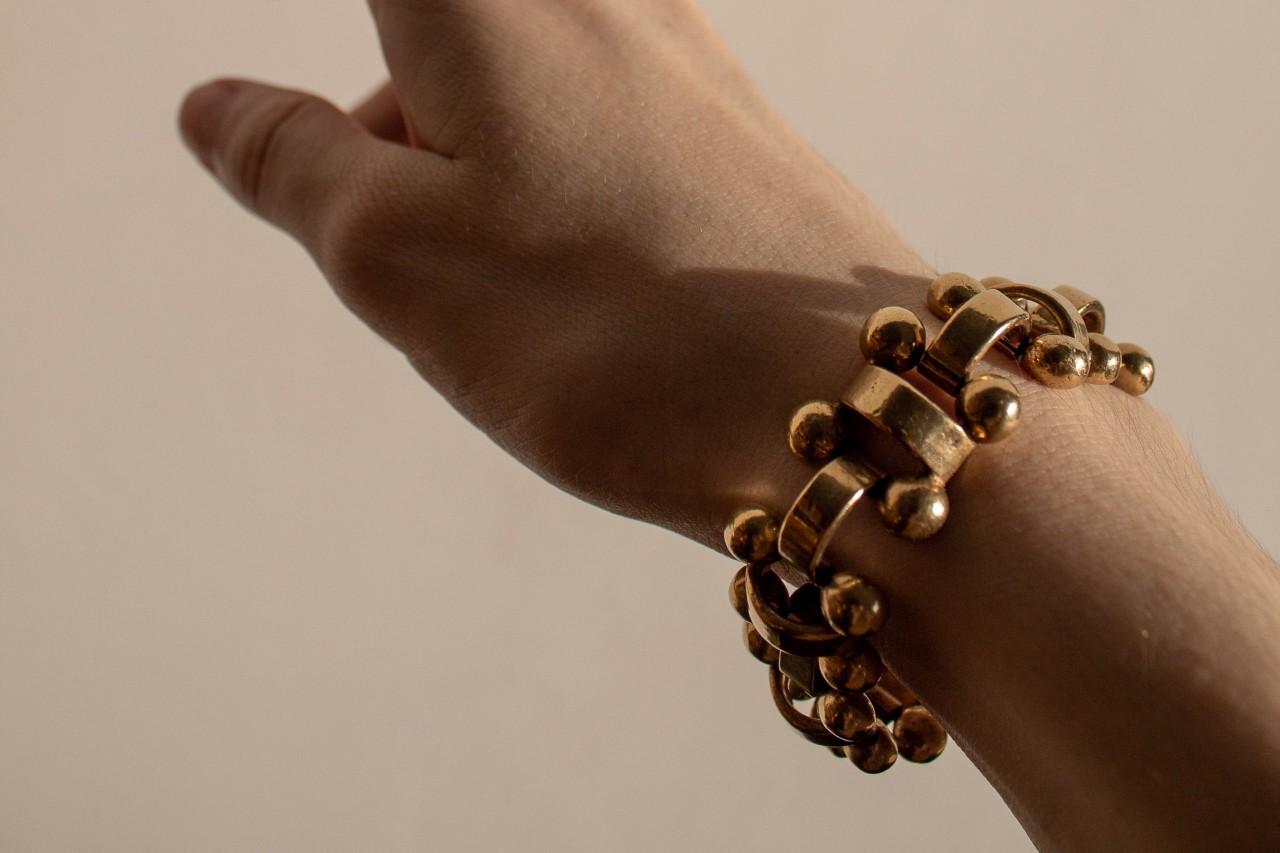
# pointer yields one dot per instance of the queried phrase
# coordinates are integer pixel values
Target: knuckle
(256, 142)
(366, 224)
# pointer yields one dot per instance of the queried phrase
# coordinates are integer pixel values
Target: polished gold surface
(919, 735)
(803, 671)
(794, 690)
(812, 521)
(1088, 307)
(855, 668)
(818, 431)
(752, 536)
(757, 645)
(988, 407)
(771, 588)
(846, 716)
(890, 695)
(1104, 359)
(738, 593)
(892, 338)
(899, 408)
(1050, 303)
(1057, 361)
(782, 632)
(949, 291)
(852, 606)
(971, 331)
(915, 507)
(1137, 370)
(809, 728)
(874, 750)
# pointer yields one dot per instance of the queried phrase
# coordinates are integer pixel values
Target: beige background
(260, 589)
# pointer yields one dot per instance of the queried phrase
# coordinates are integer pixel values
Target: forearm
(1095, 629)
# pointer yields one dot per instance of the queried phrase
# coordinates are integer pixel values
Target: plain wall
(261, 589)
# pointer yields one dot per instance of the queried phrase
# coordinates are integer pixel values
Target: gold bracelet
(814, 638)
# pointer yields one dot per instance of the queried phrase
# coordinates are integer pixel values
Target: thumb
(286, 155)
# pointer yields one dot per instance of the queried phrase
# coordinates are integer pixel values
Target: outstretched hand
(584, 225)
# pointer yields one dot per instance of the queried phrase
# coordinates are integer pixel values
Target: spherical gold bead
(738, 594)
(873, 751)
(988, 407)
(1057, 361)
(852, 606)
(846, 716)
(758, 646)
(920, 736)
(853, 670)
(1137, 370)
(752, 536)
(1104, 359)
(915, 507)
(951, 290)
(892, 338)
(818, 430)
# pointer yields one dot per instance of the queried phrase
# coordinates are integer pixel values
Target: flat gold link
(811, 522)
(781, 631)
(1056, 305)
(1087, 306)
(971, 331)
(809, 728)
(902, 410)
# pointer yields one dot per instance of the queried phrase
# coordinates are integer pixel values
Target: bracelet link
(815, 639)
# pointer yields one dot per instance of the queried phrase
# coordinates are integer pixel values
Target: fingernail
(202, 113)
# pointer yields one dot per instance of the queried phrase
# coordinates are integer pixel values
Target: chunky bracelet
(813, 634)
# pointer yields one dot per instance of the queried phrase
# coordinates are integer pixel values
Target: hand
(584, 225)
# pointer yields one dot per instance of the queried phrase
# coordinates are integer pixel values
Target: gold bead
(852, 606)
(1057, 361)
(951, 290)
(846, 717)
(757, 645)
(873, 751)
(853, 670)
(1104, 359)
(914, 507)
(892, 338)
(738, 594)
(1137, 370)
(988, 407)
(920, 736)
(752, 536)
(817, 431)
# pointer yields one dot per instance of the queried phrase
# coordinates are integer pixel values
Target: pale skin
(586, 228)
